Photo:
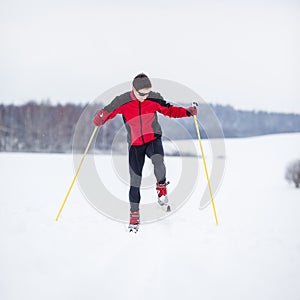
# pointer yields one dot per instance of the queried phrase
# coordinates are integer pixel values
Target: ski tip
(168, 208)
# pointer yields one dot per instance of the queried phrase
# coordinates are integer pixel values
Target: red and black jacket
(140, 118)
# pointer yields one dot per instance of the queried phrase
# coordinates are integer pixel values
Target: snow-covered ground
(253, 254)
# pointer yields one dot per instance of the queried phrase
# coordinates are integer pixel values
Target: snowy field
(253, 254)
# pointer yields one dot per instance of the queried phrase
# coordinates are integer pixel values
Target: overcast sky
(242, 53)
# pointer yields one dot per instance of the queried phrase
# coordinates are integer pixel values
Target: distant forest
(43, 127)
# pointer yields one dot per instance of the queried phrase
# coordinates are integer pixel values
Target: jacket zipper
(141, 122)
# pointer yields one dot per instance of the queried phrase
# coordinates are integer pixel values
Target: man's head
(141, 86)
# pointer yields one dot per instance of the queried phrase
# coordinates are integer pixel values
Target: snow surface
(253, 254)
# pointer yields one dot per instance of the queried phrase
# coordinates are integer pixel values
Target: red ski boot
(134, 222)
(161, 189)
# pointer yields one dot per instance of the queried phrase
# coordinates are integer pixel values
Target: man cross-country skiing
(139, 109)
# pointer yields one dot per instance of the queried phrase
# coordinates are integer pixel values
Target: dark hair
(141, 81)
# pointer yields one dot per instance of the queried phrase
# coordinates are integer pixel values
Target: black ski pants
(154, 150)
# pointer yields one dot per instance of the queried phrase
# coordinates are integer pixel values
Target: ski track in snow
(253, 254)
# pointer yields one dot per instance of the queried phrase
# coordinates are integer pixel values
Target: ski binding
(134, 228)
(163, 202)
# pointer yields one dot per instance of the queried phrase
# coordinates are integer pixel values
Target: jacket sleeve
(173, 111)
(168, 109)
(110, 115)
(113, 108)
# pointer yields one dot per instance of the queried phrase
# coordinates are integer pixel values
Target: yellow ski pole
(205, 167)
(77, 172)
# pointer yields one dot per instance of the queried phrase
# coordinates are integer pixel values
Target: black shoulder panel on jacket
(118, 101)
(156, 97)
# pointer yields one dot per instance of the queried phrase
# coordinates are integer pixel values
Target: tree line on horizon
(47, 128)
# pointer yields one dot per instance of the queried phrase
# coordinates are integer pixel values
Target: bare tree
(292, 173)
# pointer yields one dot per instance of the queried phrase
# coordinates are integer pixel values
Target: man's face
(142, 94)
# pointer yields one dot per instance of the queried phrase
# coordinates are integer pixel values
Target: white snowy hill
(254, 253)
